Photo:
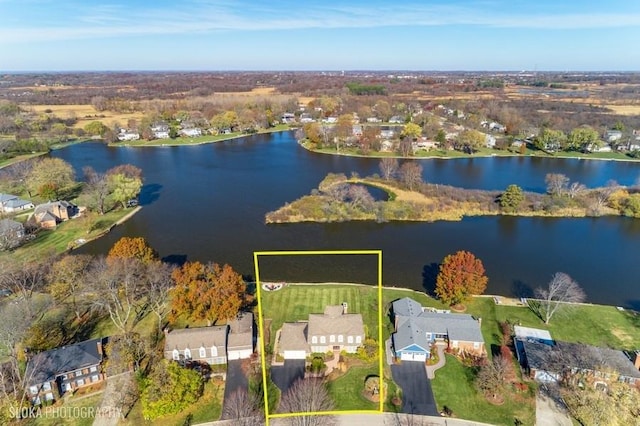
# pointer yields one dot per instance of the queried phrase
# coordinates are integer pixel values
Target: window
(176, 355)
(454, 343)
(203, 352)
(67, 387)
(46, 386)
(80, 382)
(214, 351)
(314, 339)
(323, 339)
(95, 378)
(36, 400)
(78, 373)
(33, 390)
(476, 345)
(48, 396)
(64, 377)
(349, 339)
(340, 338)
(187, 353)
(93, 369)
(332, 338)
(358, 339)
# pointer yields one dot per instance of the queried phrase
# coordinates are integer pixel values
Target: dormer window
(203, 352)
(187, 353)
(176, 355)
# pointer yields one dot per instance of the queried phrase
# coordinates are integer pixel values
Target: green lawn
(596, 325)
(57, 241)
(296, 302)
(454, 387)
(76, 412)
(346, 390)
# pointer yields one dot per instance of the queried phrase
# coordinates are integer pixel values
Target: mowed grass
(296, 302)
(77, 412)
(346, 390)
(56, 241)
(454, 387)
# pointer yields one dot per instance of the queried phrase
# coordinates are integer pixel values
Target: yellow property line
(256, 256)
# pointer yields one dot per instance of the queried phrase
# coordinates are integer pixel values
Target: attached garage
(413, 356)
(295, 355)
(239, 354)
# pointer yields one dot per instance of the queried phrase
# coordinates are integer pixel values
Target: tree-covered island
(340, 198)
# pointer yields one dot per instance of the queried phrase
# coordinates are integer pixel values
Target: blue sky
(57, 35)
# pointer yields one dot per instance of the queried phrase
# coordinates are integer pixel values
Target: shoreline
(107, 230)
(501, 154)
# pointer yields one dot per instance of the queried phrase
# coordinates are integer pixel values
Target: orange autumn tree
(207, 292)
(461, 275)
(133, 248)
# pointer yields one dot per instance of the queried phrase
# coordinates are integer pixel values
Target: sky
(220, 35)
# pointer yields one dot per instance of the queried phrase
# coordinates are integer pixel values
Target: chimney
(480, 321)
(99, 345)
(345, 308)
(636, 362)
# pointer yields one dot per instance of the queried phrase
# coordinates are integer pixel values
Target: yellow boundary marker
(263, 361)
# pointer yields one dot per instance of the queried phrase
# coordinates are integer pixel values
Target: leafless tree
(492, 376)
(158, 282)
(243, 408)
(23, 279)
(360, 197)
(118, 289)
(96, 188)
(557, 183)
(411, 174)
(562, 290)
(304, 396)
(405, 147)
(600, 196)
(389, 167)
(67, 278)
(575, 189)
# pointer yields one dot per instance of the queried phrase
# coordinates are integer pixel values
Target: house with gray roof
(547, 360)
(10, 203)
(48, 215)
(212, 345)
(51, 374)
(333, 330)
(417, 329)
(201, 344)
(11, 234)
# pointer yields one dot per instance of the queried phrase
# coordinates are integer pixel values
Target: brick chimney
(99, 345)
(636, 361)
(345, 308)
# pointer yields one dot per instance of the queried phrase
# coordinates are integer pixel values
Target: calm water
(208, 202)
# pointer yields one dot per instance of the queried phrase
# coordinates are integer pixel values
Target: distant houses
(10, 203)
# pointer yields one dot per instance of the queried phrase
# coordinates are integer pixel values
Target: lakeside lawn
(454, 387)
(59, 240)
(296, 302)
(597, 325)
(78, 411)
(198, 140)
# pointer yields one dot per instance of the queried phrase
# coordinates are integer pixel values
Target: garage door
(412, 356)
(295, 354)
(241, 354)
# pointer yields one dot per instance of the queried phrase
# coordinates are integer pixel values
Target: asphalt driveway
(285, 375)
(417, 396)
(236, 379)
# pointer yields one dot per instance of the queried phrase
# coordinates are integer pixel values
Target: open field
(296, 302)
(86, 114)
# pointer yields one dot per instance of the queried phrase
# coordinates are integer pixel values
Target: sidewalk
(431, 369)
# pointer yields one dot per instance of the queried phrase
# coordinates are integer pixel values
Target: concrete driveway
(417, 396)
(236, 379)
(285, 375)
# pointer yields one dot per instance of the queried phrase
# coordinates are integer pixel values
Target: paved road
(284, 376)
(417, 395)
(236, 379)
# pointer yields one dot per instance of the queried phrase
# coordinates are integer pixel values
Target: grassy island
(339, 198)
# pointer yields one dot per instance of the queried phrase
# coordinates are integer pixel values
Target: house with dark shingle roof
(48, 215)
(333, 330)
(51, 374)
(417, 329)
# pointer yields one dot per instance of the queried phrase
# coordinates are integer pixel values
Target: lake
(208, 202)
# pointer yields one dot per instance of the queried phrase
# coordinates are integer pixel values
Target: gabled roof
(45, 366)
(241, 332)
(410, 333)
(17, 203)
(8, 225)
(293, 337)
(7, 197)
(53, 207)
(406, 307)
(195, 338)
(334, 321)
